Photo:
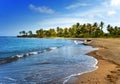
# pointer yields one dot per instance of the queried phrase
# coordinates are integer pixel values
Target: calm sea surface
(42, 61)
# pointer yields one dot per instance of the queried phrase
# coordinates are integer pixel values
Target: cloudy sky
(18, 15)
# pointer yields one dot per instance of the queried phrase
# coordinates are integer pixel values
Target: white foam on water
(74, 75)
(33, 53)
(75, 42)
(93, 65)
(27, 54)
(52, 48)
(11, 79)
(44, 50)
(20, 56)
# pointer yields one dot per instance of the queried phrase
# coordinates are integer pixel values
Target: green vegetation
(76, 31)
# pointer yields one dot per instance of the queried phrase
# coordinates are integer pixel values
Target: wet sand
(108, 57)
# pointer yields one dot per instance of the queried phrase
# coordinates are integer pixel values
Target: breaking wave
(19, 56)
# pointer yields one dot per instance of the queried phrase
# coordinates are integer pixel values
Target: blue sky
(18, 15)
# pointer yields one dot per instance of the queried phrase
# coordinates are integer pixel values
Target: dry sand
(108, 57)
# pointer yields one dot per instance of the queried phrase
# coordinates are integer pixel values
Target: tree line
(77, 30)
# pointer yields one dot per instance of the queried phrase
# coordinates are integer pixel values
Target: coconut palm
(30, 33)
(101, 25)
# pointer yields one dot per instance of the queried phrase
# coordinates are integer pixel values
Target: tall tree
(20, 33)
(109, 29)
(30, 33)
(66, 32)
(59, 32)
(77, 25)
(101, 25)
(94, 28)
(23, 33)
(89, 28)
(52, 32)
(40, 33)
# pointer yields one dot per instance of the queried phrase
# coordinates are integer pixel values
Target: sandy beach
(108, 57)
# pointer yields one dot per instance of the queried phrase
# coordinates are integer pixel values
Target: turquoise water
(42, 61)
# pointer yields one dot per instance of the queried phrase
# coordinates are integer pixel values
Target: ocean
(42, 60)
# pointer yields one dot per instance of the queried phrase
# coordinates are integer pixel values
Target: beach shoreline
(108, 71)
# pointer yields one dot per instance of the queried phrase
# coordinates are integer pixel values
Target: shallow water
(59, 60)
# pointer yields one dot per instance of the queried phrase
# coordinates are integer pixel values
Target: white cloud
(115, 2)
(42, 9)
(104, 12)
(91, 14)
(76, 5)
(110, 13)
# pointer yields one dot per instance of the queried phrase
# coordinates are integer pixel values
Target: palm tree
(101, 25)
(23, 33)
(74, 28)
(30, 33)
(52, 32)
(66, 32)
(20, 33)
(46, 33)
(94, 28)
(40, 33)
(89, 27)
(77, 25)
(116, 31)
(109, 29)
(59, 32)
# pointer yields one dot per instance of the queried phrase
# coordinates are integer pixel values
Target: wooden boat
(87, 41)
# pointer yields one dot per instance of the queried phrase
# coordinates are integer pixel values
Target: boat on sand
(87, 41)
